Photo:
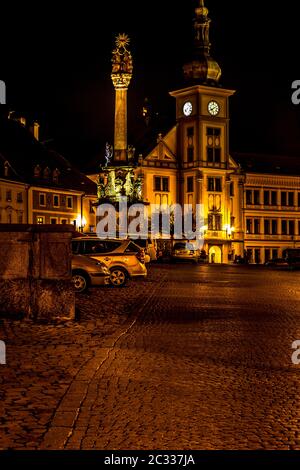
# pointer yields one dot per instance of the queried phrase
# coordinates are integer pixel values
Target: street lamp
(80, 222)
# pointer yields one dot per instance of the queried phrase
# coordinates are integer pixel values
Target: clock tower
(207, 174)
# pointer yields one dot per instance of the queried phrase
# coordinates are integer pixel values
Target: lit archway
(215, 255)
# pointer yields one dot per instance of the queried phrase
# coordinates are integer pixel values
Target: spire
(202, 25)
(203, 69)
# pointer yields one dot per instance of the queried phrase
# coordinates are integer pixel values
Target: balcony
(217, 235)
(261, 236)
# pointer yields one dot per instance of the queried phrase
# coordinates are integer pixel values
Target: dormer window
(55, 175)
(46, 172)
(37, 171)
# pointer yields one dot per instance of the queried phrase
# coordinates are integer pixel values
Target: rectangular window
(19, 197)
(217, 157)
(291, 199)
(40, 220)
(190, 132)
(267, 227)
(214, 222)
(284, 227)
(55, 200)
(231, 190)
(291, 227)
(256, 226)
(274, 227)
(53, 220)
(266, 198)
(214, 185)
(8, 196)
(190, 184)
(249, 225)
(20, 218)
(63, 221)
(42, 199)
(274, 198)
(249, 197)
(257, 198)
(232, 221)
(214, 131)
(165, 184)
(161, 184)
(283, 199)
(157, 181)
(210, 155)
(70, 202)
(190, 154)
(275, 253)
(211, 184)
(218, 183)
(92, 210)
(213, 145)
(218, 224)
(299, 201)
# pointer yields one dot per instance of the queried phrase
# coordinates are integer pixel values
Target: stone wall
(35, 271)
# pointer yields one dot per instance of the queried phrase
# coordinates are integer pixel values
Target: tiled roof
(24, 153)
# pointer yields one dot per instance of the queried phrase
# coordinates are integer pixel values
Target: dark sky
(55, 59)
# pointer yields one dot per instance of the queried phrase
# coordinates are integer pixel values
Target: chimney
(35, 130)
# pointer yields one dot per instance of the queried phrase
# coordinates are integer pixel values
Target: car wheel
(80, 282)
(118, 277)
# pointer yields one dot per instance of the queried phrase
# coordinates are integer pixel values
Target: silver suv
(123, 258)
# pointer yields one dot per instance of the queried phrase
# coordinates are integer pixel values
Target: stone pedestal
(35, 271)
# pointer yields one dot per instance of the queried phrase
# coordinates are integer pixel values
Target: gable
(165, 149)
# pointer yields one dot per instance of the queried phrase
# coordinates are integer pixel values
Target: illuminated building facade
(38, 185)
(250, 211)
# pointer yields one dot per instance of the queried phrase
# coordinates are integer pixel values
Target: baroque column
(122, 67)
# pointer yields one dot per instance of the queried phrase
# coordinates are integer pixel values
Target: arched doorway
(215, 255)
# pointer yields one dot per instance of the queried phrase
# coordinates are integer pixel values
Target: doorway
(215, 255)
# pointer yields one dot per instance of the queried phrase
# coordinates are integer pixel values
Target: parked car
(149, 246)
(185, 251)
(88, 272)
(123, 258)
(277, 262)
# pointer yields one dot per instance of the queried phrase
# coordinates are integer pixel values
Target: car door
(102, 250)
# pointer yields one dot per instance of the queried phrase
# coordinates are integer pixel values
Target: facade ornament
(130, 153)
(108, 153)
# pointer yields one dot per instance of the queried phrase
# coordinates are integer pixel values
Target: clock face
(213, 108)
(187, 108)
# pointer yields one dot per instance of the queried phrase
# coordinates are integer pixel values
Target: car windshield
(132, 248)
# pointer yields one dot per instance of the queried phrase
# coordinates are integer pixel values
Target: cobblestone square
(193, 357)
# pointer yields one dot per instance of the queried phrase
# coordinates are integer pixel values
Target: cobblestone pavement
(44, 360)
(204, 364)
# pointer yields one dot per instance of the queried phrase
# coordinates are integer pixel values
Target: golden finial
(122, 40)
(201, 10)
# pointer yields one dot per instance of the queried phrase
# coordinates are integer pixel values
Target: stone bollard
(35, 272)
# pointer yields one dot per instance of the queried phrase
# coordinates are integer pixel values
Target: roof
(24, 153)
(268, 164)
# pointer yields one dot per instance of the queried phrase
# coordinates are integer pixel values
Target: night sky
(56, 61)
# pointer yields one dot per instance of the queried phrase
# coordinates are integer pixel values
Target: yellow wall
(12, 211)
